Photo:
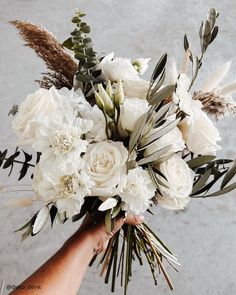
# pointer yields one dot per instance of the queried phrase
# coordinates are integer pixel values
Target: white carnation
(131, 111)
(105, 164)
(118, 68)
(138, 191)
(179, 182)
(66, 188)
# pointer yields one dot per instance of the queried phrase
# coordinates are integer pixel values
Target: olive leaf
(229, 175)
(199, 161)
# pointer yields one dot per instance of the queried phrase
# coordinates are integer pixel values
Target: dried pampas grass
(216, 104)
(61, 65)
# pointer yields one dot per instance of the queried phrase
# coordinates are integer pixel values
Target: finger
(134, 219)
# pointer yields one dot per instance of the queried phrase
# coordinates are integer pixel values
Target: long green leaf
(199, 161)
(137, 131)
(229, 175)
(223, 191)
(201, 181)
(154, 156)
(162, 94)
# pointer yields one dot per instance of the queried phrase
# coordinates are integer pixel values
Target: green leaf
(85, 78)
(29, 223)
(162, 94)
(222, 191)
(159, 67)
(68, 43)
(214, 34)
(186, 44)
(229, 175)
(137, 131)
(199, 161)
(85, 29)
(26, 234)
(201, 181)
(155, 156)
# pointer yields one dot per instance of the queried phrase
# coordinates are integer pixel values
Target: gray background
(203, 235)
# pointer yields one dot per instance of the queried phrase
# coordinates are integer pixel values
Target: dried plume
(216, 104)
(60, 64)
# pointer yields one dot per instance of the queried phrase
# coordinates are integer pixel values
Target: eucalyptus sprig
(207, 33)
(81, 44)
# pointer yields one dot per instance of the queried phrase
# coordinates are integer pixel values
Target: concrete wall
(204, 235)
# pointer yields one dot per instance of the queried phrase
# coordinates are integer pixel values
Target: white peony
(141, 64)
(66, 188)
(199, 133)
(33, 111)
(131, 111)
(137, 89)
(173, 138)
(118, 68)
(105, 164)
(179, 181)
(138, 191)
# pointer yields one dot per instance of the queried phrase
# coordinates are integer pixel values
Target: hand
(96, 232)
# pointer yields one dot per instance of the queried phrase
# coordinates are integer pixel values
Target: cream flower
(137, 89)
(33, 111)
(138, 191)
(131, 111)
(60, 141)
(105, 164)
(66, 188)
(199, 133)
(118, 68)
(179, 182)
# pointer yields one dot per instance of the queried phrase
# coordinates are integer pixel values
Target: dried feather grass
(61, 65)
(215, 104)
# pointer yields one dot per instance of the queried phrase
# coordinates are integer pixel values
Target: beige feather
(214, 79)
(61, 65)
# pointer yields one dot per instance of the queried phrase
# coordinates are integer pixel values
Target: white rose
(199, 133)
(179, 181)
(138, 191)
(136, 89)
(131, 111)
(33, 111)
(118, 68)
(105, 164)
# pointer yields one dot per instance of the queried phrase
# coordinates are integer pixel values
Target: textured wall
(203, 235)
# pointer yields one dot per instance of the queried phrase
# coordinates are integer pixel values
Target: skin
(63, 273)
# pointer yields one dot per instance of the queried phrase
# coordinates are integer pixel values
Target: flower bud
(99, 101)
(108, 104)
(119, 94)
(109, 89)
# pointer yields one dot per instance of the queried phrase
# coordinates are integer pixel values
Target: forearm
(63, 272)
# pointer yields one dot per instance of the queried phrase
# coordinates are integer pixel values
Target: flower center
(62, 141)
(131, 188)
(103, 160)
(67, 185)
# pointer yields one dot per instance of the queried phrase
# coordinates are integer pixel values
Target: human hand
(96, 233)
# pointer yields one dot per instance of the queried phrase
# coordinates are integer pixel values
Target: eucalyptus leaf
(229, 175)
(199, 161)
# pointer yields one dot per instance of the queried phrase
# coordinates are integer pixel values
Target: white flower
(138, 191)
(32, 111)
(105, 164)
(98, 130)
(179, 183)
(136, 89)
(66, 188)
(173, 138)
(131, 111)
(199, 133)
(181, 96)
(118, 68)
(60, 141)
(141, 64)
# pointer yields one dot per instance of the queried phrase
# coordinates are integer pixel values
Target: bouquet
(109, 143)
